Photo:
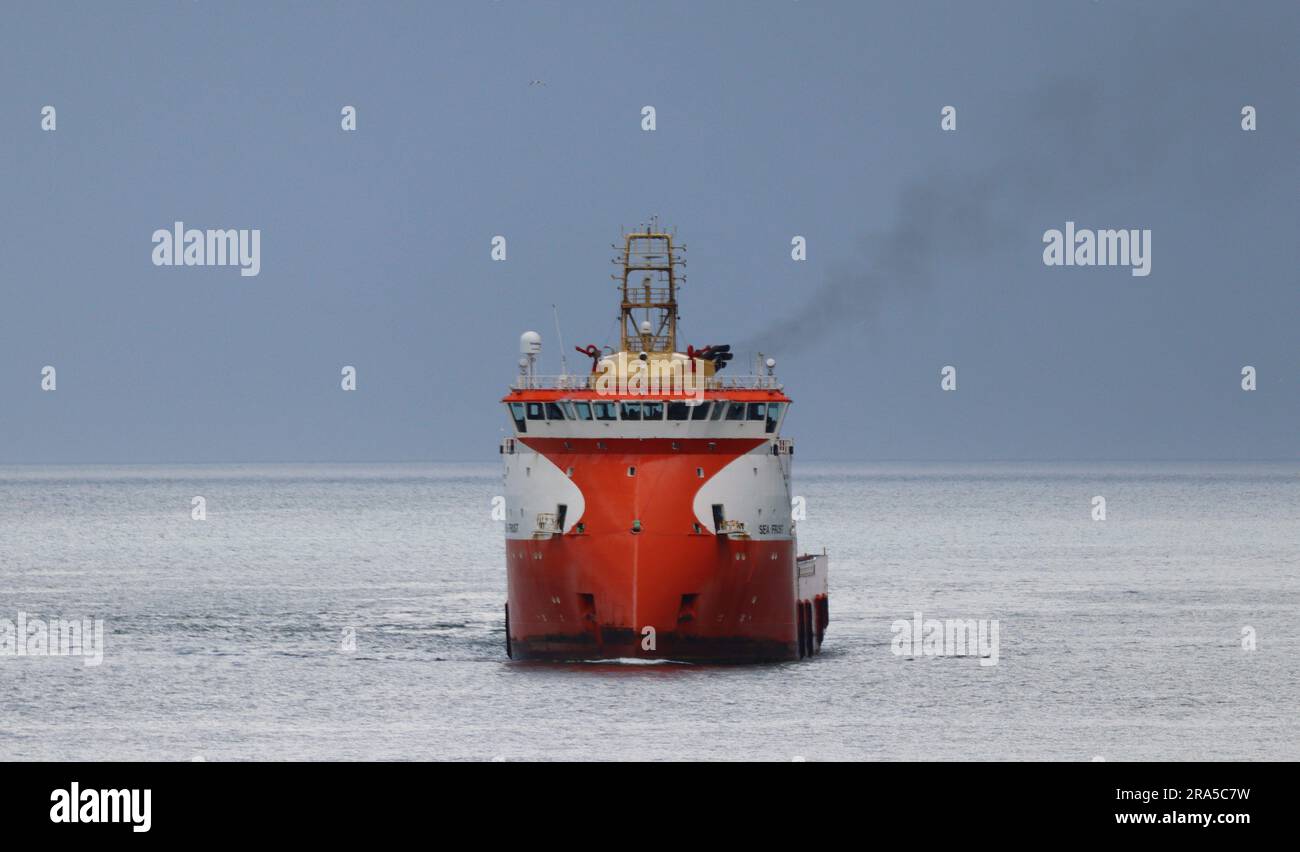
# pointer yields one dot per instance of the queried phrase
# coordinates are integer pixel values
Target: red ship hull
(673, 589)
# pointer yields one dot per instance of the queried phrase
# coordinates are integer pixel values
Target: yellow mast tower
(648, 317)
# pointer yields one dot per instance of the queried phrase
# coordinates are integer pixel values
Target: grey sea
(355, 612)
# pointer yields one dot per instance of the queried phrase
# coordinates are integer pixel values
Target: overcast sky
(774, 118)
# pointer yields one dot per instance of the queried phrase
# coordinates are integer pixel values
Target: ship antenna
(564, 363)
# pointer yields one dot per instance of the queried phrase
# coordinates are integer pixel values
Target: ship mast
(648, 318)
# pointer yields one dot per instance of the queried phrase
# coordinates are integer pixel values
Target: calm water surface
(1120, 639)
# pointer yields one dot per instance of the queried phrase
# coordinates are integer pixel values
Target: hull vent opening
(686, 612)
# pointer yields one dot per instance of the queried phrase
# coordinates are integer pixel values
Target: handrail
(588, 382)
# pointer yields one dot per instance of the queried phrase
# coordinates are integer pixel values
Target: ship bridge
(722, 413)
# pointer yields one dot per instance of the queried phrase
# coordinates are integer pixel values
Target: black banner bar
(212, 800)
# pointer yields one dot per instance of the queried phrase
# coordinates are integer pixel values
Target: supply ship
(647, 503)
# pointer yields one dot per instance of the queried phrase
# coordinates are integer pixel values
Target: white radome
(530, 343)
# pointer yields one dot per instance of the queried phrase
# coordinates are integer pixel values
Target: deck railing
(588, 382)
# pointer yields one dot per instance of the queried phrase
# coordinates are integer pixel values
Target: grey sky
(774, 119)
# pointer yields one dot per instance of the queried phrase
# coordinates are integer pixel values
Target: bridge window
(719, 409)
(535, 411)
(631, 411)
(688, 410)
(758, 411)
(736, 411)
(582, 410)
(553, 412)
(605, 410)
(517, 414)
(773, 415)
(652, 411)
